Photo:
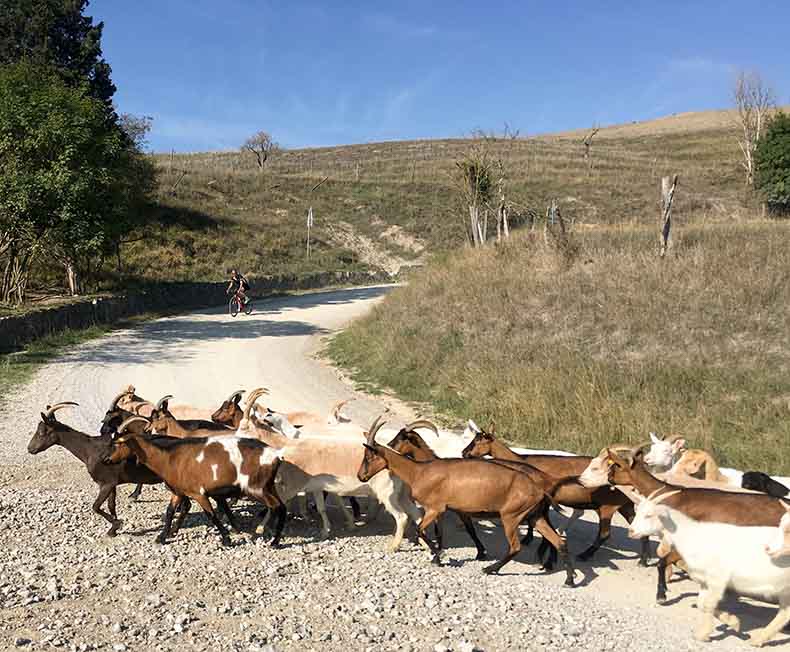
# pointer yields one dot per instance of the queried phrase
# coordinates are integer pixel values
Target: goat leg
(605, 514)
(205, 505)
(182, 508)
(105, 491)
(510, 525)
(168, 520)
(431, 516)
(280, 513)
(644, 551)
(543, 526)
(113, 513)
(661, 590)
(482, 555)
(137, 491)
(223, 506)
(355, 510)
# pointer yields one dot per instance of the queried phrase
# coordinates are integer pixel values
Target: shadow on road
(168, 339)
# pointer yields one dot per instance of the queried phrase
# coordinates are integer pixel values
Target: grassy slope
(620, 343)
(222, 212)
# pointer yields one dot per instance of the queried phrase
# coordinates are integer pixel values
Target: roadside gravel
(64, 585)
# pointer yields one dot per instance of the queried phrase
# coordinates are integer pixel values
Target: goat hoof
(227, 542)
(481, 556)
(275, 545)
(569, 584)
(490, 570)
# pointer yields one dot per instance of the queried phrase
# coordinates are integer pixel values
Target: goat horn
(374, 428)
(654, 493)
(238, 392)
(422, 423)
(51, 409)
(663, 497)
(126, 422)
(339, 406)
(126, 392)
(163, 400)
(251, 398)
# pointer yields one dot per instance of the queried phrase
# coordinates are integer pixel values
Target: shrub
(772, 177)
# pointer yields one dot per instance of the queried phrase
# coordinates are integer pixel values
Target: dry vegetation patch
(615, 345)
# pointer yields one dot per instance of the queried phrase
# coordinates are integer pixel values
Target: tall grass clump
(603, 350)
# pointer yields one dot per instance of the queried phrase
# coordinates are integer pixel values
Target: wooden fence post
(667, 195)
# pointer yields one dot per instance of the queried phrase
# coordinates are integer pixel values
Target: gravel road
(64, 585)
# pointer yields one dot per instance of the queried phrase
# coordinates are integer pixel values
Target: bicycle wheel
(248, 307)
(233, 307)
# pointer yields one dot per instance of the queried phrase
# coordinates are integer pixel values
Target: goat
(758, 481)
(722, 557)
(702, 504)
(472, 487)
(409, 443)
(201, 467)
(116, 414)
(321, 463)
(699, 464)
(603, 500)
(164, 423)
(90, 451)
(780, 546)
(229, 413)
(664, 451)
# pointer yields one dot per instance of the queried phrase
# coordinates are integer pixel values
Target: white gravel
(64, 585)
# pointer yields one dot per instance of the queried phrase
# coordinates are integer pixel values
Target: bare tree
(262, 146)
(587, 143)
(136, 128)
(753, 102)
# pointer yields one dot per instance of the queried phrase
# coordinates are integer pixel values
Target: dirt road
(64, 585)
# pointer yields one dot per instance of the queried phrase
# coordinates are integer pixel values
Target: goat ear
(654, 438)
(678, 445)
(44, 418)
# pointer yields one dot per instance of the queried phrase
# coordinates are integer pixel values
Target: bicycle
(236, 303)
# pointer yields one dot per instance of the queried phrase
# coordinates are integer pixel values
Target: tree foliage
(772, 177)
(56, 33)
(69, 181)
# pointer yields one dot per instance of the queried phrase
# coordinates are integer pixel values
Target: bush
(772, 176)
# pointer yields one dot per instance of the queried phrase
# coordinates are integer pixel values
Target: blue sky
(211, 73)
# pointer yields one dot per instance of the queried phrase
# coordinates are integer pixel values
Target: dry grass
(215, 209)
(617, 345)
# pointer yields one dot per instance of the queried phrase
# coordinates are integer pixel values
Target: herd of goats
(728, 532)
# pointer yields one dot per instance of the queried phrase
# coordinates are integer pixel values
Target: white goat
(719, 557)
(664, 451)
(318, 463)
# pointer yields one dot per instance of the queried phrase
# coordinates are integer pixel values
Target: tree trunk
(71, 278)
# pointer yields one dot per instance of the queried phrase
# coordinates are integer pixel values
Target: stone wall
(16, 331)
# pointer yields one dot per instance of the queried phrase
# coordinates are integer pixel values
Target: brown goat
(164, 423)
(472, 487)
(707, 505)
(229, 413)
(91, 451)
(604, 501)
(409, 443)
(201, 467)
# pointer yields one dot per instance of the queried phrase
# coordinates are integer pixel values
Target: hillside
(390, 204)
(614, 342)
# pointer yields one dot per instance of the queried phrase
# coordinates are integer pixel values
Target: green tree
(772, 175)
(56, 33)
(70, 183)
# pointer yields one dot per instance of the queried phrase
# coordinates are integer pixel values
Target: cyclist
(238, 285)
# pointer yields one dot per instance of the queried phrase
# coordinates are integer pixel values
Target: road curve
(339, 595)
